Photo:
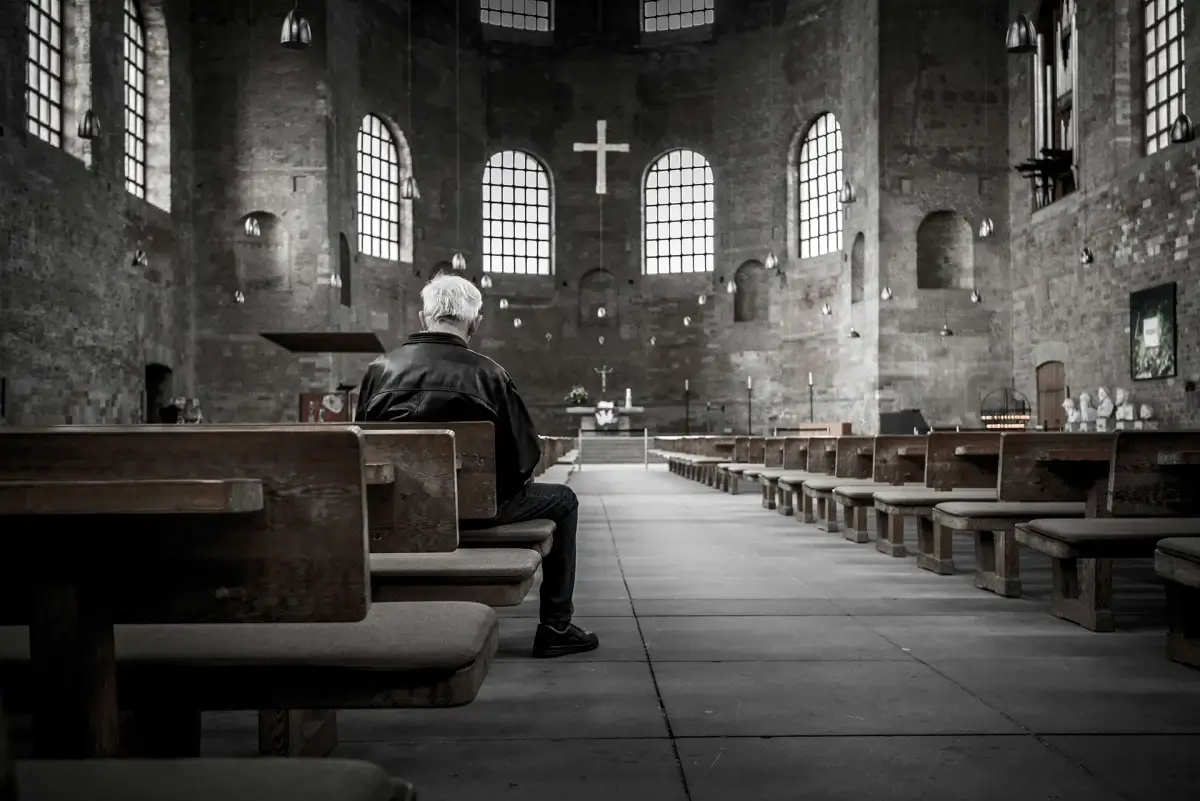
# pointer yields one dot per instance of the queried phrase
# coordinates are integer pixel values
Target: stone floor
(745, 656)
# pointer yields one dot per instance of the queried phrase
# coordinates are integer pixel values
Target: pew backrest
(754, 449)
(822, 455)
(741, 450)
(1155, 474)
(854, 457)
(795, 453)
(418, 509)
(900, 459)
(1053, 467)
(962, 460)
(773, 452)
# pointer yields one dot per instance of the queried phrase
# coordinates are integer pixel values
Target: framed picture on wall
(1152, 338)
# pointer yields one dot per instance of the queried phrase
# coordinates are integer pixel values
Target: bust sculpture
(1087, 414)
(1124, 407)
(1072, 414)
(1146, 417)
(1104, 409)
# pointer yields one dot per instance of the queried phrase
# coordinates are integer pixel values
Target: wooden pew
(853, 464)
(1022, 497)
(792, 457)
(752, 451)
(820, 460)
(958, 466)
(286, 546)
(1147, 494)
(1177, 561)
(772, 462)
(897, 460)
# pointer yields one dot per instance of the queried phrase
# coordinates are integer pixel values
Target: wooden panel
(945, 469)
(1155, 474)
(821, 458)
(854, 457)
(754, 449)
(1044, 467)
(773, 452)
(899, 459)
(302, 558)
(795, 453)
(235, 496)
(475, 445)
(741, 450)
(418, 512)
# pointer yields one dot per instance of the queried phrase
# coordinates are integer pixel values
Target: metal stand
(646, 447)
(687, 411)
(811, 418)
(749, 411)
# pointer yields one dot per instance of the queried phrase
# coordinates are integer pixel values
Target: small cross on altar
(603, 372)
(601, 148)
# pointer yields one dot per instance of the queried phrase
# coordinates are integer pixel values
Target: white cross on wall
(601, 148)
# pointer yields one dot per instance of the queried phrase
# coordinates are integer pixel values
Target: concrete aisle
(748, 657)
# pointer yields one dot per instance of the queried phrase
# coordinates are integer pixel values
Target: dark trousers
(555, 502)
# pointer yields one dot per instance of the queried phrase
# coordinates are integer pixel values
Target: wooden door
(1051, 392)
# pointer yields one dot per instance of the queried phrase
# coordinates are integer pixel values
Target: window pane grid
(378, 191)
(820, 182)
(680, 208)
(135, 101)
(1166, 78)
(674, 15)
(517, 215)
(43, 70)
(523, 15)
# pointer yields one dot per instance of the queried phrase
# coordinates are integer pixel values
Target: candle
(628, 398)
(810, 379)
(749, 382)
(686, 385)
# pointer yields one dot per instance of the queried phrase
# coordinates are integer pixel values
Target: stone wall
(1136, 213)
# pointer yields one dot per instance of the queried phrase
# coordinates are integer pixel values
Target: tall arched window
(384, 219)
(44, 70)
(820, 182)
(672, 15)
(680, 214)
(1166, 78)
(523, 15)
(135, 100)
(518, 215)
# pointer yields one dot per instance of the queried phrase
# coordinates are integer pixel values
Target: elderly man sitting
(435, 378)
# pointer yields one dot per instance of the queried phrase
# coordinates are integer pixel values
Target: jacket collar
(436, 338)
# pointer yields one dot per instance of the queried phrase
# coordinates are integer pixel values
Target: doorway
(158, 392)
(1051, 392)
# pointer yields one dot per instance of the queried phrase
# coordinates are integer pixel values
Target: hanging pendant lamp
(886, 293)
(854, 333)
(731, 287)
(986, 228)
(296, 33)
(89, 125)
(252, 227)
(459, 262)
(1182, 130)
(409, 190)
(486, 282)
(1022, 36)
(848, 195)
(975, 296)
(946, 332)
(772, 261)
(1086, 256)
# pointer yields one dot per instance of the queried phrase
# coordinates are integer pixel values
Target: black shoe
(550, 641)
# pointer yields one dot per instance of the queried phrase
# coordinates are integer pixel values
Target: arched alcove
(858, 268)
(345, 267)
(263, 261)
(158, 391)
(945, 252)
(597, 289)
(751, 302)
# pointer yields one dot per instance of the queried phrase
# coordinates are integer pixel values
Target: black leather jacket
(436, 378)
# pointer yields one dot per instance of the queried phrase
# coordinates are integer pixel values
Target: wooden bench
(897, 460)
(958, 467)
(278, 576)
(1028, 487)
(821, 460)
(748, 453)
(853, 464)
(793, 456)
(1149, 494)
(1177, 561)
(772, 465)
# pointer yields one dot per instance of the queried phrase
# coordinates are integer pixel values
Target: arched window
(673, 15)
(1165, 76)
(523, 15)
(1056, 127)
(820, 183)
(135, 100)
(384, 219)
(44, 70)
(518, 215)
(680, 215)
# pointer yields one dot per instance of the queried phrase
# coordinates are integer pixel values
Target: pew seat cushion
(207, 780)
(1178, 559)
(771, 474)
(830, 483)
(753, 471)
(920, 501)
(794, 478)
(1104, 537)
(464, 566)
(969, 516)
(741, 468)
(861, 494)
(537, 535)
(402, 655)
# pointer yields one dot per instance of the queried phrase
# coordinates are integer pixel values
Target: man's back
(436, 378)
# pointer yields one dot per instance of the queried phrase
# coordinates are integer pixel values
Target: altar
(605, 418)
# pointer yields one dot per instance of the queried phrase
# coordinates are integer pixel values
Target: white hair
(451, 299)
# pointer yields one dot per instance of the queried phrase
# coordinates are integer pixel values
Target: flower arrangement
(578, 396)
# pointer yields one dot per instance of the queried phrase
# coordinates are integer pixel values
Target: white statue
(1104, 409)
(1124, 407)
(1146, 418)
(1087, 415)
(1072, 414)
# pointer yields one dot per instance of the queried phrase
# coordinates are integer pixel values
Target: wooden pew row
(897, 460)
(793, 458)
(302, 539)
(1144, 493)
(820, 459)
